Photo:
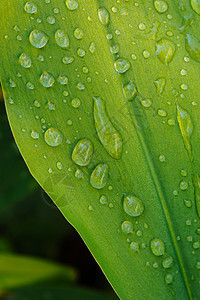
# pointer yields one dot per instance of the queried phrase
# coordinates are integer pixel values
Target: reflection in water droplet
(186, 128)
(30, 7)
(103, 15)
(133, 206)
(157, 247)
(196, 183)
(83, 152)
(108, 135)
(127, 227)
(192, 46)
(161, 6)
(25, 61)
(62, 39)
(38, 39)
(130, 90)
(160, 85)
(196, 6)
(71, 4)
(122, 65)
(165, 50)
(46, 79)
(53, 137)
(99, 176)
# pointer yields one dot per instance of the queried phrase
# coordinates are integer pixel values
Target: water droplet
(196, 245)
(162, 113)
(146, 54)
(53, 137)
(184, 173)
(99, 176)
(161, 6)
(62, 79)
(134, 246)
(50, 105)
(133, 206)
(198, 265)
(68, 60)
(51, 20)
(183, 185)
(25, 61)
(114, 49)
(90, 208)
(188, 203)
(34, 134)
(38, 39)
(46, 79)
(192, 46)
(122, 65)
(76, 102)
(108, 135)
(36, 103)
(79, 174)
(183, 72)
(81, 52)
(196, 6)
(12, 84)
(103, 15)
(130, 90)
(92, 48)
(186, 128)
(62, 39)
(162, 158)
(171, 122)
(168, 262)
(71, 4)
(165, 50)
(30, 7)
(59, 165)
(78, 33)
(196, 183)
(146, 103)
(103, 200)
(160, 84)
(127, 227)
(169, 278)
(157, 247)
(184, 86)
(83, 152)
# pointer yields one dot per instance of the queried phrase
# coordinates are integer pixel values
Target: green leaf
(17, 271)
(113, 84)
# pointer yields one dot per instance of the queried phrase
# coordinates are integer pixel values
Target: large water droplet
(99, 176)
(30, 7)
(192, 46)
(196, 183)
(103, 15)
(127, 227)
(133, 206)
(157, 247)
(71, 4)
(62, 39)
(53, 137)
(186, 128)
(196, 6)
(130, 90)
(46, 79)
(122, 65)
(160, 85)
(38, 39)
(25, 60)
(83, 152)
(108, 135)
(168, 262)
(165, 50)
(161, 6)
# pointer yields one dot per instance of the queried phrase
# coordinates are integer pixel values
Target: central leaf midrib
(153, 174)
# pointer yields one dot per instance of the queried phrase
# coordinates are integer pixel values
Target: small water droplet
(83, 152)
(103, 200)
(99, 176)
(34, 134)
(142, 26)
(188, 203)
(68, 60)
(196, 245)
(36, 103)
(114, 49)
(146, 54)
(71, 4)
(183, 185)
(134, 246)
(165, 50)
(30, 7)
(50, 105)
(157, 247)
(46, 79)
(51, 20)
(108, 135)
(59, 165)
(104, 16)
(79, 174)
(12, 84)
(38, 39)
(76, 102)
(122, 65)
(81, 52)
(130, 90)
(53, 137)
(78, 33)
(133, 206)
(161, 6)
(30, 85)
(162, 113)
(162, 158)
(146, 103)
(127, 227)
(169, 278)
(92, 47)
(168, 262)
(62, 39)
(183, 173)
(198, 265)
(25, 61)
(62, 79)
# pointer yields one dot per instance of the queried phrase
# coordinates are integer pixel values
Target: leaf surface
(124, 127)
